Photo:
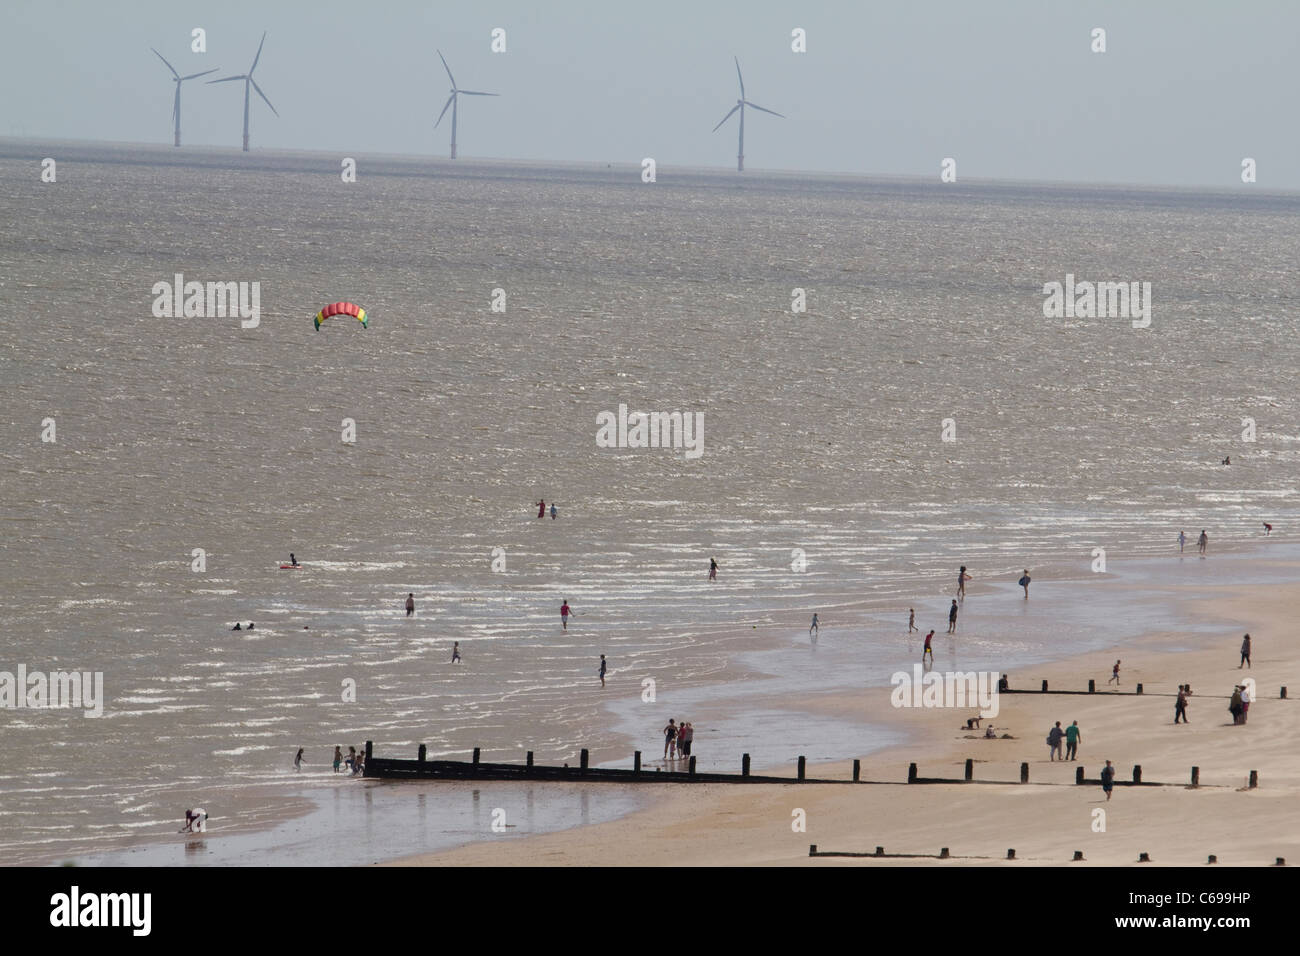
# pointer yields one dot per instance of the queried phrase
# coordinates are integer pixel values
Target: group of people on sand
(1203, 541)
(1070, 736)
(678, 739)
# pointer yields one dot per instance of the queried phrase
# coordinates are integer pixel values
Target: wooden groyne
(474, 769)
(1137, 692)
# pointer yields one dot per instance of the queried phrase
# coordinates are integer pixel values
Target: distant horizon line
(721, 171)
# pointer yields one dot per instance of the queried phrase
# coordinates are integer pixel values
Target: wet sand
(1048, 820)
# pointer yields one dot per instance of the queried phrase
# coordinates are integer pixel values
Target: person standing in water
(928, 649)
(564, 614)
(603, 666)
(455, 652)
(1024, 583)
(552, 510)
(541, 509)
(911, 620)
(297, 761)
(1245, 652)
(713, 569)
(1268, 529)
(952, 617)
(813, 627)
(1182, 540)
(410, 604)
(962, 578)
(1202, 542)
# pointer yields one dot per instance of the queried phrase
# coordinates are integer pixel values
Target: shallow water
(822, 434)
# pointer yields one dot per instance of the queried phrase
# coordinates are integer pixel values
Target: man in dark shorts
(952, 617)
(1107, 778)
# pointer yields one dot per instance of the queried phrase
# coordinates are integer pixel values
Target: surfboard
(291, 567)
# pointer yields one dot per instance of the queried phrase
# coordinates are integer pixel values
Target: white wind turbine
(451, 101)
(248, 79)
(178, 80)
(740, 105)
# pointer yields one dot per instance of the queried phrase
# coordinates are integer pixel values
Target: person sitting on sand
(1004, 684)
(989, 734)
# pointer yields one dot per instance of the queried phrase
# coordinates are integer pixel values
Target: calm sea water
(822, 439)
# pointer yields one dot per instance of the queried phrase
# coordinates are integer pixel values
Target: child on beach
(670, 739)
(962, 578)
(338, 759)
(1114, 674)
(928, 649)
(1182, 539)
(911, 620)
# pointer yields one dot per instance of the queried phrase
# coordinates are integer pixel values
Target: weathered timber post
(801, 767)
(1024, 773)
(857, 770)
(423, 753)
(744, 765)
(636, 762)
(970, 769)
(911, 773)
(582, 758)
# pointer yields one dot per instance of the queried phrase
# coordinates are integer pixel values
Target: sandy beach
(1045, 821)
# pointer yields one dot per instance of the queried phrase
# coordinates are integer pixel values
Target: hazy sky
(1185, 90)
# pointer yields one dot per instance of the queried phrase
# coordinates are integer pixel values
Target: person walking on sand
(928, 649)
(564, 614)
(813, 627)
(952, 617)
(1182, 540)
(1180, 705)
(1202, 542)
(297, 761)
(1114, 674)
(1245, 652)
(962, 578)
(1054, 741)
(410, 604)
(670, 739)
(1024, 583)
(455, 651)
(713, 569)
(603, 665)
(1072, 738)
(1107, 778)
(911, 620)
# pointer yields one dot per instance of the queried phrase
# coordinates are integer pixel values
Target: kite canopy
(342, 308)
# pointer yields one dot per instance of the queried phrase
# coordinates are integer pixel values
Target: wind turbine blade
(259, 55)
(446, 106)
(725, 118)
(262, 95)
(476, 93)
(227, 79)
(755, 106)
(196, 75)
(741, 78)
(164, 59)
(448, 69)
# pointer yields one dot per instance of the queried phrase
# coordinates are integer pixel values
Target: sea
(880, 390)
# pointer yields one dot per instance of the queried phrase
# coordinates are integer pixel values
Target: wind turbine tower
(740, 105)
(248, 80)
(451, 102)
(178, 80)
